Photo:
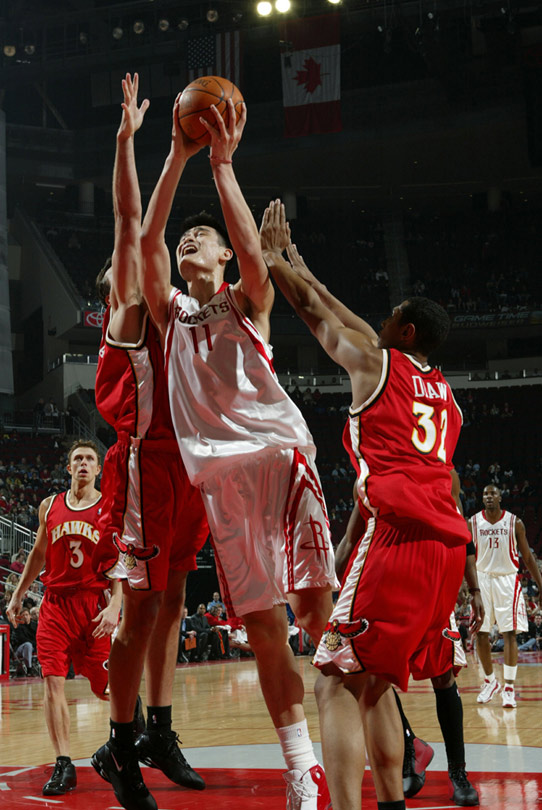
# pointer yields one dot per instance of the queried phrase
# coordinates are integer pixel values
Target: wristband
(217, 160)
(474, 590)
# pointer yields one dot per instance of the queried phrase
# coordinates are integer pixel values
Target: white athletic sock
(297, 746)
(509, 673)
(491, 677)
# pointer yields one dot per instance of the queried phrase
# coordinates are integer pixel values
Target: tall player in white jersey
(498, 536)
(243, 441)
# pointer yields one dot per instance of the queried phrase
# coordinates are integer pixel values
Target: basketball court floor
(227, 736)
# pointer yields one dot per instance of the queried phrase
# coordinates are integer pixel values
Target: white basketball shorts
(503, 603)
(270, 530)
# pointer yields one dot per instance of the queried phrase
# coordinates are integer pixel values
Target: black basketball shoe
(121, 768)
(159, 749)
(461, 790)
(62, 779)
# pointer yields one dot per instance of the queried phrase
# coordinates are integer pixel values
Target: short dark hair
(431, 321)
(103, 287)
(84, 443)
(203, 218)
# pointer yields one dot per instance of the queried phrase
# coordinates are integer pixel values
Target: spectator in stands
(216, 600)
(24, 640)
(187, 637)
(219, 636)
(34, 594)
(12, 580)
(18, 564)
(201, 626)
(20, 550)
(534, 640)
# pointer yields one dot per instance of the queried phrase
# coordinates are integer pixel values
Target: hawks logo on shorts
(335, 631)
(133, 553)
(451, 635)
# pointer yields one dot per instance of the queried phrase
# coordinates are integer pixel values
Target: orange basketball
(196, 100)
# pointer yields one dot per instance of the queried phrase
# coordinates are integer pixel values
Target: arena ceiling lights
(265, 8)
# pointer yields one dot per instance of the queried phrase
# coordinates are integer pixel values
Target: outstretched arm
(156, 261)
(255, 291)
(34, 564)
(126, 294)
(351, 349)
(345, 315)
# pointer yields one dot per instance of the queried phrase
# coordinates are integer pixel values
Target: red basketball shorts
(153, 519)
(395, 606)
(64, 634)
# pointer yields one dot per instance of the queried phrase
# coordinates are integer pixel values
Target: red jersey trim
(503, 512)
(427, 369)
(169, 336)
(380, 388)
(247, 326)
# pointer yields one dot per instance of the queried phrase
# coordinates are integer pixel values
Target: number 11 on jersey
(207, 331)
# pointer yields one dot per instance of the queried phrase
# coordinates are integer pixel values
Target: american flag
(215, 55)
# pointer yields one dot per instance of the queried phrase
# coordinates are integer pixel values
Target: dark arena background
(418, 172)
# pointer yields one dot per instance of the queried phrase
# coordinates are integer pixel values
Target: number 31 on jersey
(426, 433)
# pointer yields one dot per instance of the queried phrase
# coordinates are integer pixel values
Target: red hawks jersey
(225, 398)
(131, 390)
(401, 442)
(496, 545)
(72, 534)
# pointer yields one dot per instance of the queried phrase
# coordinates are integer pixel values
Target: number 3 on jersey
(425, 434)
(77, 558)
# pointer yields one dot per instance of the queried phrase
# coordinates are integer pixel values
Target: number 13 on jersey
(426, 433)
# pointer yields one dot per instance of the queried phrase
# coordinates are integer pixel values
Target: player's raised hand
(132, 115)
(181, 145)
(225, 137)
(275, 231)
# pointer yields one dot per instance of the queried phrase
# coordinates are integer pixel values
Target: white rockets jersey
(496, 547)
(226, 401)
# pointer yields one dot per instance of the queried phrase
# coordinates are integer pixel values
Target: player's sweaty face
(490, 497)
(197, 245)
(83, 464)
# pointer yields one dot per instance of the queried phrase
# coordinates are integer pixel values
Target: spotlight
(10, 50)
(139, 27)
(264, 8)
(430, 15)
(212, 15)
(182, 25)
(30, 50)
(380, 29)
(117, 32)
(163, 24)
(334, 2)
(282, 6)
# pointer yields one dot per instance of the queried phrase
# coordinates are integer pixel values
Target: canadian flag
(311, 75)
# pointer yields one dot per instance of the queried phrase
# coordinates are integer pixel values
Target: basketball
(196, 100)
